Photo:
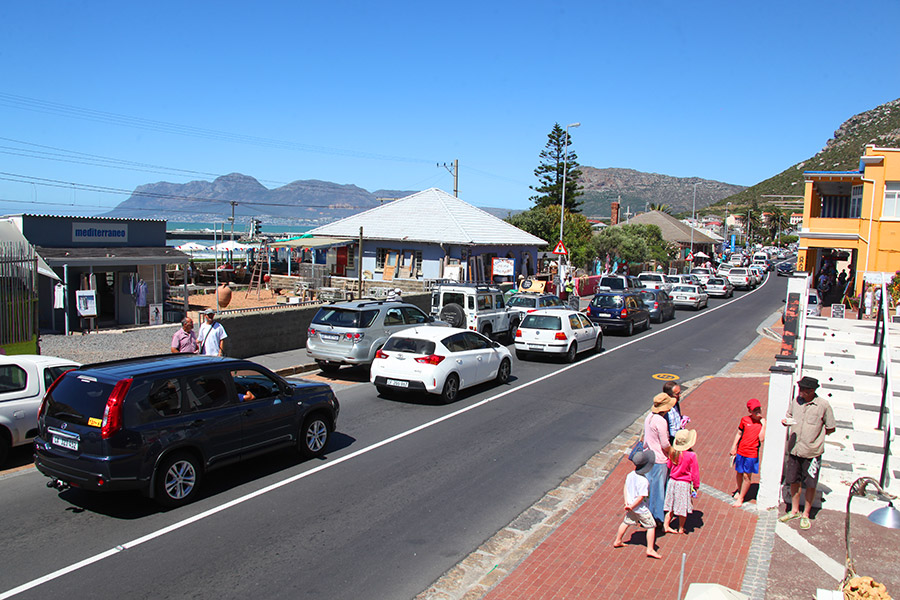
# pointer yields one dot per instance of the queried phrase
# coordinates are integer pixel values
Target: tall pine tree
(550, 173)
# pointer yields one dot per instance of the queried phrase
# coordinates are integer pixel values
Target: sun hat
(662, 402)
(643, 461)
(809, 383)
(208, 311)
(753, 404)
(685, 439)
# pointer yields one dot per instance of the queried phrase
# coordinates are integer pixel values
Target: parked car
(24, 379)
(563, 333)
(159, 424)
(659, 303)
(654, 281)
(619, 282)
(438, 361)
(785, 268)
(814, 304)
(693, 296)
(740, 278)
(624, 311)
(702, 274)
(349, 333)
(723, 269)
(672, 280)
(758, 272)
(526, 302)
(480, 308)
(688, 279)
(719, 287)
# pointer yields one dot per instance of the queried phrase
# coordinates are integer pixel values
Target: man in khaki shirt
(810, 419)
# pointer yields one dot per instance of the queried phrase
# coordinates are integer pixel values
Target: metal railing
(883, 368)
(18, 293)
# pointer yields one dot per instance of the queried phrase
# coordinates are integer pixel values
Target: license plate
(535, 347)
(329, 337)
(397, 383)
(64, 442)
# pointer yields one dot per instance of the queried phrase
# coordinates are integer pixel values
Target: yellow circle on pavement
(666, 377)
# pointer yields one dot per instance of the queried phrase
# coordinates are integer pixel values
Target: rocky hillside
(880, 126)
(636, 189)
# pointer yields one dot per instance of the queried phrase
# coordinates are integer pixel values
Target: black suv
(159, 423)
(624, 311)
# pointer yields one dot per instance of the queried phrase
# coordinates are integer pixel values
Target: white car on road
(694, 296)
(438, 360)
(560, 332)
(24, 379)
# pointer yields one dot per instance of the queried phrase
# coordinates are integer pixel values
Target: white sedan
(438, 360)
(694, 296)
(719, 286)
(560, 332)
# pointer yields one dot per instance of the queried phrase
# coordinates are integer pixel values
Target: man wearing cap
(212, 335)
(810, 419)
(656, 439)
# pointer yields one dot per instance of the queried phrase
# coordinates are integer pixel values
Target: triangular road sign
(560, 248)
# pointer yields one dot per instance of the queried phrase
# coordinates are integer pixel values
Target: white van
(760, 258)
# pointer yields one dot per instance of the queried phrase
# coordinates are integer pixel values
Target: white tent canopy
(231, 246)
(701, 255)
(192, 247)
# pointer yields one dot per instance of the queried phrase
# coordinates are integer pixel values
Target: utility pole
(454, 170)
(233, 204)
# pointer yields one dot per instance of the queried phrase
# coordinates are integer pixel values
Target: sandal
(804, 522)
(788, 517)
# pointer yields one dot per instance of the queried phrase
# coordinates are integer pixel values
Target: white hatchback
(560, 332)
(694, 296)
(438, 360)
(24, 379)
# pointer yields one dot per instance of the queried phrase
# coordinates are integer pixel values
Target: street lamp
(562, 205)
(887, 516)
(693, 208)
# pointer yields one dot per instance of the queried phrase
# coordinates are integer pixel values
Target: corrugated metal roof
(83, 217)
(672, 229)
(431, 216)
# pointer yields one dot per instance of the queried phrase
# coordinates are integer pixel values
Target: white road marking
(332, 463)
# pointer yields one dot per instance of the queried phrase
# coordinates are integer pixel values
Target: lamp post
(725, 241)
(887, 516)
(693, 209)
(562, 205)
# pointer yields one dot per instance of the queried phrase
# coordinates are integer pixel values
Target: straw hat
(685, 439)
(662, 402)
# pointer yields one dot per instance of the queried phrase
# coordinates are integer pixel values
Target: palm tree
(660, 207)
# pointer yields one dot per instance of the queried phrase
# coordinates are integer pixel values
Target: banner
(503, 267)
(86, 301)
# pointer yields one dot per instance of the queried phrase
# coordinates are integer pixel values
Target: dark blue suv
(622, 311)
(158, 424)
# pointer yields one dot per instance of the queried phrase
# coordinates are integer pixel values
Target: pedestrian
(656, 438)
(185, 339)
(395, 295)
(876, 297)
(684, 480)
(636, 510)
(674, 418)
(869, 299)
(211, 335)
(810, 419)
(568, 288)
(745, 448)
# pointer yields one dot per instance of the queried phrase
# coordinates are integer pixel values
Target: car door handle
(479, 359)
(198, 422)
(247, 412)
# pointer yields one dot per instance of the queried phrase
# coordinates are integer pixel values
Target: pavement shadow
(425, 399)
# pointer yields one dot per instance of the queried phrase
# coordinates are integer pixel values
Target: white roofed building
(431, 235)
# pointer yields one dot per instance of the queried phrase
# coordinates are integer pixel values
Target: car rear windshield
(685, 288)
(411, 345)
(613, 283)
(522, 301)
(607, 301)
(716, 282)
(78, 397)
(345, 317)
(738, 272)
(700, 271)
(650, 277)
(541, 322)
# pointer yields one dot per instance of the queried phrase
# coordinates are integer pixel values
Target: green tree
(661, 208)
(631, 243)
(554, 157)
(544, 223)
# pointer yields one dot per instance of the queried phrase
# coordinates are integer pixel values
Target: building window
(891, 207)
(856, 194)
(380, 254)
(351, 256)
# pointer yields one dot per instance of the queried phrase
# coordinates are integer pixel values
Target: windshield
(607, 301)
(522, 301)
(541, 322)
(344, 317)
(685, 288)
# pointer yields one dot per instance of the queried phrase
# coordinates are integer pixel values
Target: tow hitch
(57, 484)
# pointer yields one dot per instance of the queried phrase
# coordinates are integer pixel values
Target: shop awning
(113, 256)
(11, 233)
(316, 242)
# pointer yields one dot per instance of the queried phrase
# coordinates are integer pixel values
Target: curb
(297, 369)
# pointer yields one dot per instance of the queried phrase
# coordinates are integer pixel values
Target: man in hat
(810, 419)
(211, 335)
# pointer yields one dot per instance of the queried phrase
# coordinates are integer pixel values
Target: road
(406, 490)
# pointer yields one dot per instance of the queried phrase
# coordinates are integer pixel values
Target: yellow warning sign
(666, 377)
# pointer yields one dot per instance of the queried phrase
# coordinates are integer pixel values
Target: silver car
(719, 287)
(693, 296)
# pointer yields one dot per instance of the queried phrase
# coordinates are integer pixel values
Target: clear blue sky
(374, 94)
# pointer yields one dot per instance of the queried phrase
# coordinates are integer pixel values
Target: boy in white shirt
(636, 510)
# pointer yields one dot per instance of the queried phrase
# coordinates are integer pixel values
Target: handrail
(886, 414)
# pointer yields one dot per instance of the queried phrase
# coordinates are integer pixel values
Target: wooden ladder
(255, 279)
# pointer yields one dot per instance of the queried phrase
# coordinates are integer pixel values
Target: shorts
(804, 471)
(745, 464)
(644, 520)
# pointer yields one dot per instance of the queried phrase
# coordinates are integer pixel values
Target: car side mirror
(429, 319)
(495, 344)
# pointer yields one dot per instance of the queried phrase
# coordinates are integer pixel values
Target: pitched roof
(431, 216)
(672, 229)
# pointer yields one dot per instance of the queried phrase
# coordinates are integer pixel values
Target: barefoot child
(684, 479)
(636, 510)
(745, 448)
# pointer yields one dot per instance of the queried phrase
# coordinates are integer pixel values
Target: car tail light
(112, 414)
(354, 337)
(656, 306)
(624, 313)
(560, 335)
(380, 354)
(310, 332)
(431, 359)
(518, 333)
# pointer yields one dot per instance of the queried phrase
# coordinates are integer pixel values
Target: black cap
(807, 382)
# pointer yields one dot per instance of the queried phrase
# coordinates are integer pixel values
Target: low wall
(252, 333)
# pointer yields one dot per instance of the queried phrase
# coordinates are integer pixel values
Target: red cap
(753, 404)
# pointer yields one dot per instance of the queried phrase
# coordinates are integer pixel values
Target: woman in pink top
(656, 438)
(684, 479)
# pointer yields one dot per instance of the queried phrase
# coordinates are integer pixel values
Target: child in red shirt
(745, 448)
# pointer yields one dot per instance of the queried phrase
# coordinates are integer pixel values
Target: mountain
(879, 126)
(636, 189)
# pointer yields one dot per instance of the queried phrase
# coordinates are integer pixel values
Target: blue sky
(376, 94)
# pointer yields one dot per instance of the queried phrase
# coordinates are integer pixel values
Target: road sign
(690, 257)
(560, 248)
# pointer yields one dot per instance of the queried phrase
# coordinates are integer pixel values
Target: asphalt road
(406, 490)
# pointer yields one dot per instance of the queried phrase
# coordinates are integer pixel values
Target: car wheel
(598, 344)
(451, 388)
(521, 354)
(453, 314)
(177, 480)
(487, 331)
(646, 324)
(511, 334)
(328, 367)
(504, 371)
(571, 353)
(313, 437)
(629, 330)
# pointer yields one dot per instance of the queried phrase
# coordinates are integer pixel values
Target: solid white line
(332, 463)
(831, 567)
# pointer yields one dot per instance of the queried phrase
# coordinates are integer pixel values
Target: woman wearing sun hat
(684, 479)
(656, 438)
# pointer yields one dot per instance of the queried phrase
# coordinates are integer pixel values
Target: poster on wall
(86, 301)
(156, 315)
(503, 267)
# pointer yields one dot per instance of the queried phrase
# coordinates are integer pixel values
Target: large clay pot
(223, 292)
